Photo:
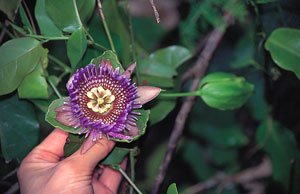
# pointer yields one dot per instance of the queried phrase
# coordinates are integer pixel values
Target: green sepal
(112, 57)
(51, 116)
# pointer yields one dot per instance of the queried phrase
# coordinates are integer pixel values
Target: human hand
(43, 171)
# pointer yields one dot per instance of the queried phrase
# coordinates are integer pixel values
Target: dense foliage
(239, 60)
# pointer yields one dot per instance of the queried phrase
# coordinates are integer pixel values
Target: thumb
(94, 151)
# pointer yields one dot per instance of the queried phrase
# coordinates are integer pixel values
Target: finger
(51, 148)
(96, 152)
(112, 178)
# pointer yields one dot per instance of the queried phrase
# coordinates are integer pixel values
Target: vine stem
(200, 67)
(54, 88)
(132, 163)
(117, 167)
(105, 26)
(66, 68)
(175, 95)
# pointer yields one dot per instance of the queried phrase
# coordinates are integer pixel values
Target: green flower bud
(224, 91)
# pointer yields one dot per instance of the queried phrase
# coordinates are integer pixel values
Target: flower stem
(117, 167)
(54, 88)
(47, 38)
(105, 26)
(176, 95)
(132, 162)
(60, 63)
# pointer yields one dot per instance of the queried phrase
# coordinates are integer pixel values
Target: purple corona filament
(103, 101)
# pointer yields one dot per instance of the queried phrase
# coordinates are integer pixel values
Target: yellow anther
(100, 99)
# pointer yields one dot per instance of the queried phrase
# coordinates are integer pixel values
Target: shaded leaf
(161, 109)
(19, 129)
(76, 47)
(193, 154)
(280, 144)
(162, 82)
(9, 7)
(18, 58)
(116, 25)
(73, 143)
(225, 133)
(24, 19)
(46, 25)
(116, 156)
(283, 44)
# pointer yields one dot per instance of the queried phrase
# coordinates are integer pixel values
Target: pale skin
(44, 171)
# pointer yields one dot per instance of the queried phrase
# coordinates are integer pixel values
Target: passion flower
(104, 101)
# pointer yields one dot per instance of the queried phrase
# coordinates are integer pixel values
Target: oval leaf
(46, 25)
(116, 156)
(19, 128)
(64, 14)
(76, 47)
(283, 45)
(173, 56)
(18, 58)
(280, 144)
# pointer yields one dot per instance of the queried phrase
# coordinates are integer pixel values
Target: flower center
(100, 99)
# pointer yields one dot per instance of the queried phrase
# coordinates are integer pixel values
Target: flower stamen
(100, 99)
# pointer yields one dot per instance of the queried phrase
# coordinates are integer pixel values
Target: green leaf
(73, 143)
(193, 155)
(163, 62)
(172, 56)
(221, 156)
(116, 156)
(283, 44)
(280, 144)
(34, 84)
(172, 189)
(154, 68)
(19, 129)
(46, 25)
(51, 116)
(243, 55)
(9, 7)
(160, 110)
(19, 57)
(117, 27)
(225, 133)
(112, 57)
(265, 1)
(76, 47)
(86, 9)
(64, 14)
(24, 19)
(162, 82)
(147, 27)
